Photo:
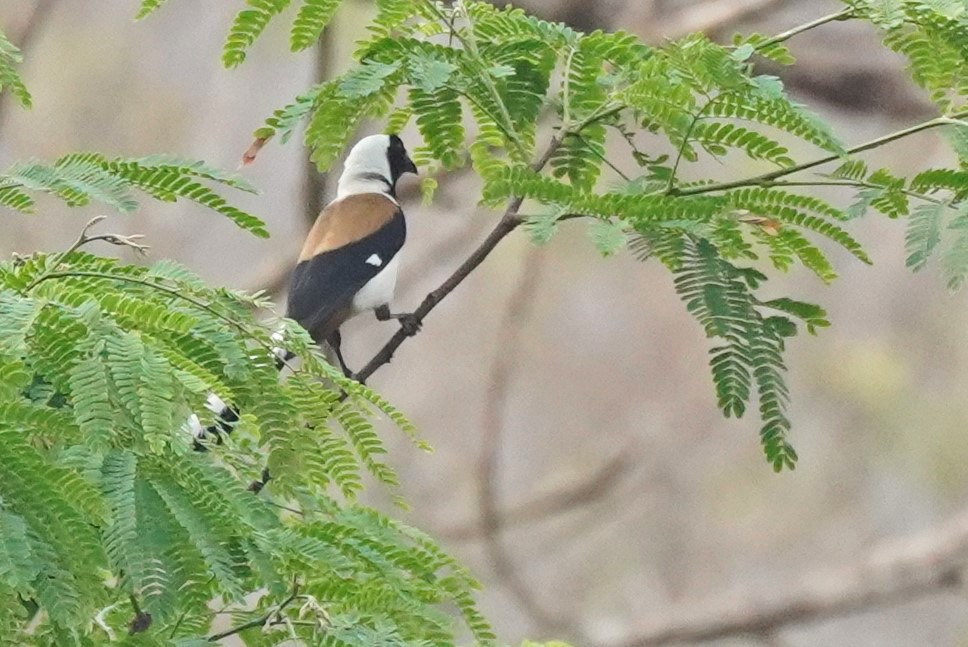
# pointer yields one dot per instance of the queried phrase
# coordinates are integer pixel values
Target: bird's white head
(374, 165)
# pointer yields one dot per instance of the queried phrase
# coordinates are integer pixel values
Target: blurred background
(581, 466)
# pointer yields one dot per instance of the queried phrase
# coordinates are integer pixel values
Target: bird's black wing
(323, 286)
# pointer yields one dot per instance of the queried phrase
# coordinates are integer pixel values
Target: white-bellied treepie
(348, 264)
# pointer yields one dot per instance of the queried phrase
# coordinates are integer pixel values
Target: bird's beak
(409, 166)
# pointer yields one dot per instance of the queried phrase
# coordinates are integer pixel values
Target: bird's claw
(410, 324)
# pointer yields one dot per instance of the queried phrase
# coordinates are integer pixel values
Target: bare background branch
(929, 563)
(507, 351)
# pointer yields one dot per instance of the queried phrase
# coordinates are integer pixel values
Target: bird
(348, 263)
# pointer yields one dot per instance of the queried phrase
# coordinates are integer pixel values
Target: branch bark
(508, 223)
(767, 179)
(258, 622)
(896, 571)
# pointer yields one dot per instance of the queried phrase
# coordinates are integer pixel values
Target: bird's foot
(409, 323)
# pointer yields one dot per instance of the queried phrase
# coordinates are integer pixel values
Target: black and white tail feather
(347, 266)
(226, 415)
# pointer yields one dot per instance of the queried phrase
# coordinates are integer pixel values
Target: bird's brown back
(347, 220)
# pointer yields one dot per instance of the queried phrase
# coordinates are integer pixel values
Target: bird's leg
(408, 321)
(334, 340)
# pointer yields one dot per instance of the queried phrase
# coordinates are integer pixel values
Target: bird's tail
(225, 414)
(280, 352)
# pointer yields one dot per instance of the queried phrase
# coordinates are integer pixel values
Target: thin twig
(859, 184)
(83, 239)
(508, 223)
(767, 178)
(845, 14)
(173, 292)
(696, 118)
(258, 622)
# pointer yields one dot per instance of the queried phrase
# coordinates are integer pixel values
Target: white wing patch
(379, 289)
(375, 260)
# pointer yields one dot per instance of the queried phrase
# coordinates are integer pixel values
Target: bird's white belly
(378, 291)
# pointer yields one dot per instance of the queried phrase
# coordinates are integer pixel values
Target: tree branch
(858, 184)
(895, 572)
(508, 223)
(766, 179)
(469, 41)
(671, 185)
(563, 499)
(258, 622)
(845, 14)
(175, 292)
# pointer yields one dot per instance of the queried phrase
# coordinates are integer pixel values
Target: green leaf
(954, 259)
(430, 73)
(18, 563)
(247, 26)
(148, 7)
(715, 136)
(9, 77)
(719, 295)
(438, 116)
(812, 315)
(500, 71)
(791, 209)
(82, 178)
(608, 235)
(366, 80)
(892, 201)
(779, 112)
(310, 22)
(541, 228)
(428, 187)
(923, 234)
(776, 52)
(743, 52)
(957, 136)
(167, 181)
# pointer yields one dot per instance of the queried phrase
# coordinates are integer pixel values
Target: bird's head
(374, 165)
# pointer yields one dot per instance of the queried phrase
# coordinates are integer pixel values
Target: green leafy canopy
(81, 178)
(101, 365)
(505, 71)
